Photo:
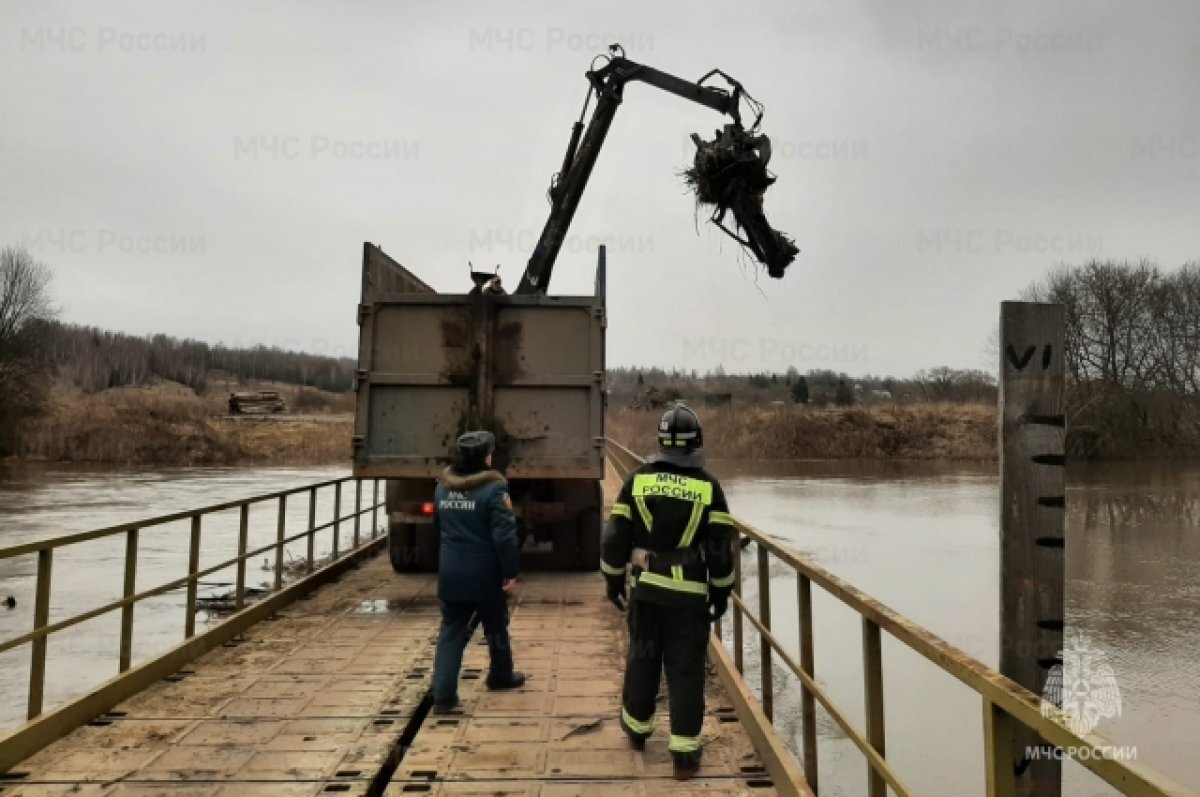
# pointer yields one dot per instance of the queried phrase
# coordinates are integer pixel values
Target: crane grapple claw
(729, 174)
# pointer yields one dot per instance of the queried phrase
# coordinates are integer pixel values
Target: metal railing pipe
(312, 534)
(738, 640)
(121, 528)
(44, 550)
(125, 655)
(808, 706)
(239, 589)
(337, 524)
(41, 617)
(357, 509)
(280, 536)
(189, 618)
(873, 700)
(764, 647)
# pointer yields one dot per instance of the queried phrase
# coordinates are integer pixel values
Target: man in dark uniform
(478, 567)
(670, 524)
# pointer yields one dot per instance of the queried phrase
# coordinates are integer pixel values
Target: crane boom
(607, 85)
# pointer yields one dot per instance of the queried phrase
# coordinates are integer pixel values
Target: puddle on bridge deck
(379, 606)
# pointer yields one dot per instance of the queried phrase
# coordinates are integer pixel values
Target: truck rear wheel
(401, 547)
(427, 548)
(577, 537)
(591, 529)
(412, 547)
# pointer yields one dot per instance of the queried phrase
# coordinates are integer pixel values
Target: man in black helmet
(671, 526)
(477, 567)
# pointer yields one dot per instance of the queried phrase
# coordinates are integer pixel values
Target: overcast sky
(210, 170)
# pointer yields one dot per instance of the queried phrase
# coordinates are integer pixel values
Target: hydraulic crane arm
(607, 84)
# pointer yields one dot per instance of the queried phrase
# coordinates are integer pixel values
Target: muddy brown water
(921, 537)
(42, 503)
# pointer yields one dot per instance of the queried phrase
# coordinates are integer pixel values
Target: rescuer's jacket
(672, 525)
(473, 515)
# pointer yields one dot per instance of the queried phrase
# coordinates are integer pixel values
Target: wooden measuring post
(1032, 517)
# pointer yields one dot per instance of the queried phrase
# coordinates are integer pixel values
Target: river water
(42, 503)
(921, 537)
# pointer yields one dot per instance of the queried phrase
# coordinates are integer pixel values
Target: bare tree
(1132, 354)
(24, 292)
(24, 309)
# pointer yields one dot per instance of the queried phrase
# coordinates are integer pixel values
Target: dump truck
(528, 366)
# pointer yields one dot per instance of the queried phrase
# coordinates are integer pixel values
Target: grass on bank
(167, 424)
(880, 431)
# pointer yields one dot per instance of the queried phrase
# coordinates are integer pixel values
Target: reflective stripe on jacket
(664, 507)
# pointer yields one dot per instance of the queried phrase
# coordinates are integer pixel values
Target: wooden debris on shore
(226, 603)
(260, 402)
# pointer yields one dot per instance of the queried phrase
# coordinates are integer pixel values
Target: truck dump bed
(431, 366)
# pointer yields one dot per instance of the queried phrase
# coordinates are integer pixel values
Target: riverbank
(882, 431)
(169, 425)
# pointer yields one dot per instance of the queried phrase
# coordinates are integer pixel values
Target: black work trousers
(459, 620)
(674, 639)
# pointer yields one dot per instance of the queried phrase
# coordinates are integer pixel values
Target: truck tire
(590, 523)
(402, 547)
(577, 536)
(426, 548)
(591, 531)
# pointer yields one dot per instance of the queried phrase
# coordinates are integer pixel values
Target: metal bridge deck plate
(314, 702)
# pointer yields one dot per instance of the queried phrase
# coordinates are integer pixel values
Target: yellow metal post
(312, 529)
(737, 610)
(41, 618)
(280, 535)
(997, 749)
(764, 616)
(337, 518)
(239, 597)
(375, 509)
(873, 693)
(189, 621)
(130, 588)
(357, 509)
(808, 705)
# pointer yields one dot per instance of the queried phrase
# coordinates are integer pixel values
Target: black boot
(686, 764)
(636, 740)
(515, 680)
(446, 708)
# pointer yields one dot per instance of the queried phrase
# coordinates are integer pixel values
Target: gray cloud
(212, 170)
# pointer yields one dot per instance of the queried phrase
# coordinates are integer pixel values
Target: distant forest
(648, 387)
(1132, 360)
(94, 359)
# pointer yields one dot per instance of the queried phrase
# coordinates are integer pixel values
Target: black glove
(616, 590)
(718, 604)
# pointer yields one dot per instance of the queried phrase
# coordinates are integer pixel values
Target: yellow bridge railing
(1005, 706)
(43, 728)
